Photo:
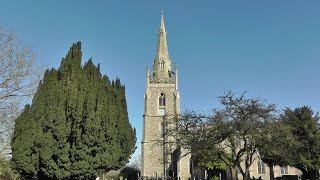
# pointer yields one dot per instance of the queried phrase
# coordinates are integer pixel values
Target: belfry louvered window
(162, 100)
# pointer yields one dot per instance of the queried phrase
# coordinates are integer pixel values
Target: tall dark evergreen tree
(77, 125)
(304, 154)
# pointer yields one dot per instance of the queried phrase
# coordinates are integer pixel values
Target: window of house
(284, 170)
(162, 100)
(261, 167)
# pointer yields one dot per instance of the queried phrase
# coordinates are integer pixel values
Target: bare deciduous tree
(135, 162)
(229, 136)
(18, 81)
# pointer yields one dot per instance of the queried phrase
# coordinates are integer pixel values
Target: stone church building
(162, 101)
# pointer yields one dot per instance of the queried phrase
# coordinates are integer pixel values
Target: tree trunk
(271, 172)
(247, 174)
(233, 173)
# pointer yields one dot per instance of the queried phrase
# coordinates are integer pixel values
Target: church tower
(162, 102)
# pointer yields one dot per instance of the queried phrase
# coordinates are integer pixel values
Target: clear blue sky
(270, 49)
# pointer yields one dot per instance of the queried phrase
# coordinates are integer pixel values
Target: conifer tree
(304, 152)
(77, 126)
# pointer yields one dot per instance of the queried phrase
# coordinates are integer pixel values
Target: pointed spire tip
(162, 26)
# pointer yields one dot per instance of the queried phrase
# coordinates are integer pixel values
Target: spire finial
(162, 26)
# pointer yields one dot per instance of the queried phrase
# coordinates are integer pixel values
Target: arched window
(261, 167)
(162, 64)
(162, 100)
(162, 104)
(284, 170)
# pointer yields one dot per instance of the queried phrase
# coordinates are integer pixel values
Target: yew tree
(77, 125)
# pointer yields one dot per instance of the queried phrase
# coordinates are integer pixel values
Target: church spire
(162, 26)
(162, 62)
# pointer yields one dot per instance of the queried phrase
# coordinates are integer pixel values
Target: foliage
(293, 140)
(274, 145)
(304, 154)
(18, 80)
(211, 163)
(197, 133)
(230, 134)
(130, 173)
(6, 171)
(208, 158)
(243, 119)
(215, 178)
(77, 125)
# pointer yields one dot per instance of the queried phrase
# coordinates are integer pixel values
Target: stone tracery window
(284, 170)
